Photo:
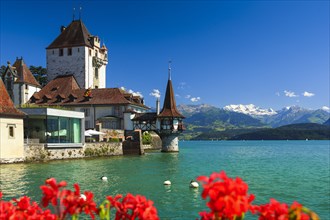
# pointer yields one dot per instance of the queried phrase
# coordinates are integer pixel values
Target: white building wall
(64, 65)
(103, 111)
(128, 123)
(22, 95)
(11, 148)
(89, 68)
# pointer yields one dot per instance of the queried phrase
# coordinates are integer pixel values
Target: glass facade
(63, 130)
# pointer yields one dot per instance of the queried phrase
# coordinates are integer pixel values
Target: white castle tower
(76, 52)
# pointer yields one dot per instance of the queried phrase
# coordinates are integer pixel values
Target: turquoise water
(284, 170)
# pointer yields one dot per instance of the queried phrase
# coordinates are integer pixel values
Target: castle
(76, 71)
(75, 51)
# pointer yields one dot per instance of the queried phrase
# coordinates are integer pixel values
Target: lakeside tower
(76, 52)
(170, 120)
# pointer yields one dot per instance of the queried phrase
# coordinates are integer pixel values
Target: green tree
(40, 74)
(2, 70)
(146, 138)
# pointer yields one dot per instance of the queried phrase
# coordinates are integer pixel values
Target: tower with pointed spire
(169, 120)
(76, 52)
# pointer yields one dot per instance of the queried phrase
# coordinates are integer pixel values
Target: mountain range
(239, 119)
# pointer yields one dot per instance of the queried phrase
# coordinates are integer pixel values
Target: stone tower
(169, 120)
(75, 51)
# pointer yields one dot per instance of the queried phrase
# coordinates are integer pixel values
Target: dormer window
(69, 51)
(59, 97)
(72, 97)
(45, 98)
(60, 52)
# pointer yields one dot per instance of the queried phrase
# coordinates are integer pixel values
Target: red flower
(274, 210)
(51, 192)
(74, 204)
(228, 197)
(23, 209)
(133, 207)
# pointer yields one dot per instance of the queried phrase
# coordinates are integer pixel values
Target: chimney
(62, 28)
(157, 106)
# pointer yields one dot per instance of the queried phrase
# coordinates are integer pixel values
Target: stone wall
(38, 152)
(133, 143)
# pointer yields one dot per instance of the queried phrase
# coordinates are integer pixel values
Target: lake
(284, 170)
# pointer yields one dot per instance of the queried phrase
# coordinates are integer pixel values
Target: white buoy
(194, 184)
(104, 178)
(83, 197)
(167, 182)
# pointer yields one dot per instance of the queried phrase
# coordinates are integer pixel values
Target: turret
(170, 119)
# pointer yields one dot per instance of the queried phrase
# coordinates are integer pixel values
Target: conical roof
(24, 75)
(169, 107)
(76, 34)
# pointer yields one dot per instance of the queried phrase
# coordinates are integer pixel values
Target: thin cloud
(155, 93)
(131, 91)
(308, 94)
(290, 94)
(195, 99)
(135, 93)
(182, 85)
(277, 94)
(187, 96)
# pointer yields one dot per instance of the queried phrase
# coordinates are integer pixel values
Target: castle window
(53, 52)
(8, 84)
(69, 51)
(90, 52)
(61, 52)
(86, 111)
(96, 53)
(96, 73)
(96, 87)
(26, 86)
(78, 50)
(11, 133)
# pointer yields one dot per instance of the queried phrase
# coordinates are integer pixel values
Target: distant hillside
(311, 131)
(209, 122)
(327, 122)
(220, 119)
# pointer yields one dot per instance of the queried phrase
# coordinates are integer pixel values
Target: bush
(146, 138)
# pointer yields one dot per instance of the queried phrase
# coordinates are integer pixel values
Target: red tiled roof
(66, 88)
(169, 107)
(24, 74)
(76, 34)
(7, 108)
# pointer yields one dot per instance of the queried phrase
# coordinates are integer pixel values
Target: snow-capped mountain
(188, 110)
(325, 108)
(250, 110)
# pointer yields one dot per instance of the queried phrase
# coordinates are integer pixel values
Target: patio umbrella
(93, 132)
(87, 134)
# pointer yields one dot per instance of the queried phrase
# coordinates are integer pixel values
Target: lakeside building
(75, 51)
(104, 107)
(20, 82)
(11, 128)
(54, 128)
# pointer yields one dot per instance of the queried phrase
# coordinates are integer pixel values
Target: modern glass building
(54, 127)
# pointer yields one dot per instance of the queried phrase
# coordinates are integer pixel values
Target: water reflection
(12, 180)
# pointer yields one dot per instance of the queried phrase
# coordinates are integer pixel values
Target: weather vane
(169, 69)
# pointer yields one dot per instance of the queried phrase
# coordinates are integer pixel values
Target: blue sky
(269, 53)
